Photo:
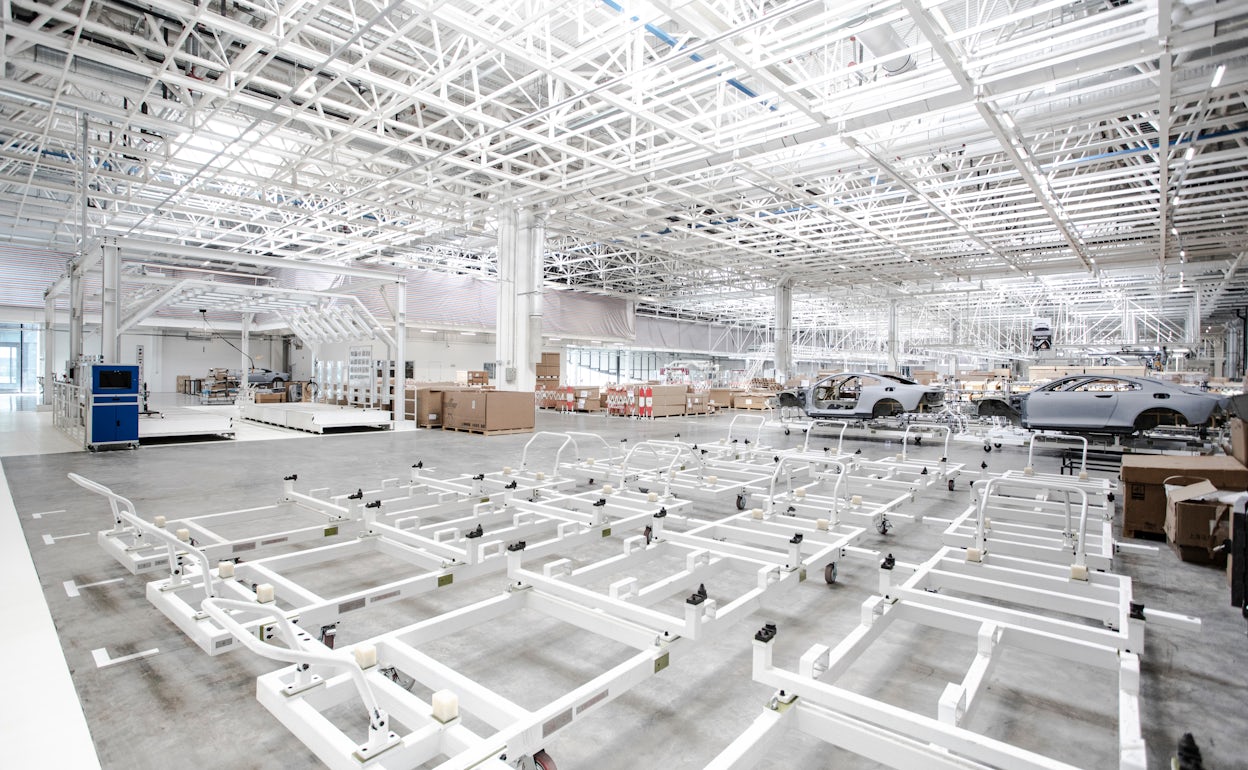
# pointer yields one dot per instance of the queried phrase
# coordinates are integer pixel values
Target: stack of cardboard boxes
(487, 411)
(588, 398)
(721, 398)
(698, 403)
(423, 403)
(668, 400)
(1176, 497)
(1144, 477)
(750, 400)
(548, 371)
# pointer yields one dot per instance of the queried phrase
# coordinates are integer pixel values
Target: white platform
(186, 421)
(315, 418)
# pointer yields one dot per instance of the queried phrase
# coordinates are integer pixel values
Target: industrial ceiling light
(1217, 76)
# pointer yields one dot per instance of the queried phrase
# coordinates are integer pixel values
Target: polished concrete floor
(171, 703)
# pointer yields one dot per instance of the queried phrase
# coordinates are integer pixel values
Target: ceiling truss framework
(983, 162)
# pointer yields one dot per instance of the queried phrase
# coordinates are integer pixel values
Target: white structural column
(75, 316)
(244, 347)
(400, 339)
(521, 244)
(784, 330)
(49, 347)
(1129, 336)
(110, 347)
(892, 336)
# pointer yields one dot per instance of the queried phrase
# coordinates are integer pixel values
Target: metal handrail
(840, 439)
(575, 433)
(68, 410)
(906, 435)
(652, 446)
(123, 511)
(524, 455)
(1031, 446)
(758, 434)
(985, 487)
(836, 488)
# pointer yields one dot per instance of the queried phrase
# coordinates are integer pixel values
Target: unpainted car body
(1087, 403)
(862, 395)
(267, 377)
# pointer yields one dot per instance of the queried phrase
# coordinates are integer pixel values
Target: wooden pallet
(1144, 534)
(480, 432)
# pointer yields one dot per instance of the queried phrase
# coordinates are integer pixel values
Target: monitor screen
(115, 379)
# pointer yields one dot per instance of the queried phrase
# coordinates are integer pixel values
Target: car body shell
(1113, 404)
(862, 395)
(267, 377)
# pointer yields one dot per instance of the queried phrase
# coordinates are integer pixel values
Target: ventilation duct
(884, 41)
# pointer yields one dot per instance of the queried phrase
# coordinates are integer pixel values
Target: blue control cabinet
(113, 406)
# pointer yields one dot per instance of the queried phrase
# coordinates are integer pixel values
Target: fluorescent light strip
(1217, 76)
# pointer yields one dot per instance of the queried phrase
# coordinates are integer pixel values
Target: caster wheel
(1110, 497)
(918, 441)
(829, 573)
(883, 526)
(740, 502)
(786, 431)
(591, 482)
(997, 446)
(543, 761)
(987, 448)
(950, 485)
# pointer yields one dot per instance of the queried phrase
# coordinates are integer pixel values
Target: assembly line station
(618, 383)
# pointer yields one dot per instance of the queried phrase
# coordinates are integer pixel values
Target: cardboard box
(487, 411)
(463, 408)
(428, 408)
(1237, 561)
(669, 410)
(1239, 440)
(750, 401)
(270, 398)
(1195, 522)
(1144, 503)
(722, 397)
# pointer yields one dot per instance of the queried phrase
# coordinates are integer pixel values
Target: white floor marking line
(102, 659)
(49, 540)
(71, 590)
(41, 514)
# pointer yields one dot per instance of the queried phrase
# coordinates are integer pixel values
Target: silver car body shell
(1110, 404)
(855, 395)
